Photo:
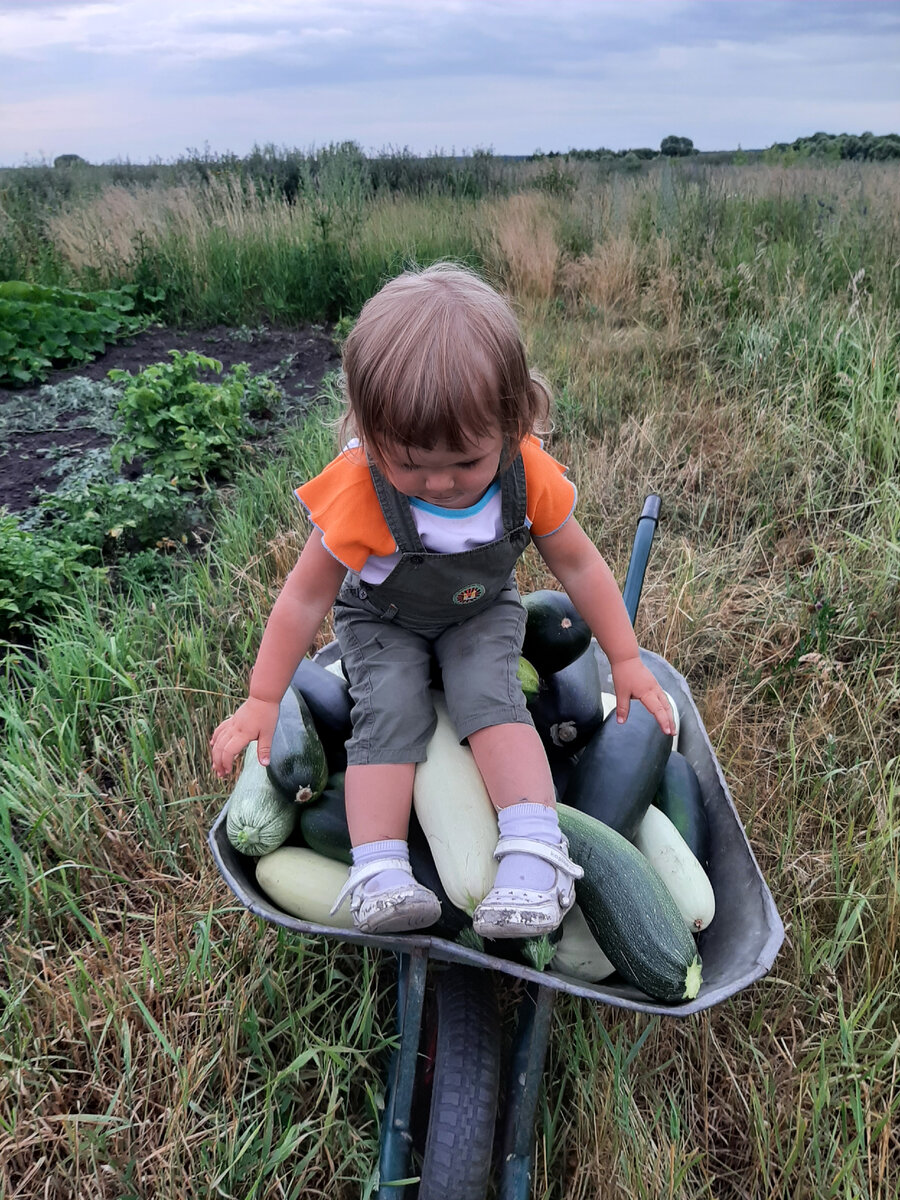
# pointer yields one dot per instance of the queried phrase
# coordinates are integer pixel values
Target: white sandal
(523, 912)
(395, 910)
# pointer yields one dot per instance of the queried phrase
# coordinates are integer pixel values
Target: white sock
(537, 821)
(384, 881)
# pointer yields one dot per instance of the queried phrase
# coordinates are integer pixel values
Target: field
(725, 336)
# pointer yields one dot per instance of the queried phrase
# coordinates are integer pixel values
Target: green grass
(152, 1031)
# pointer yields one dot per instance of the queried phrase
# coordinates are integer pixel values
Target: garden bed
(34, 434)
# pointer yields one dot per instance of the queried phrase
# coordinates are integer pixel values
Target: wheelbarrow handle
(640, 555)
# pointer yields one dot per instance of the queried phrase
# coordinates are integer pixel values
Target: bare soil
(298, 359)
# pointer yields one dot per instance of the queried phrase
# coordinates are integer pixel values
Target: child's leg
(388, 669)
(378, 797)
(516, 773)
(534, 886)
(513, 765)
(385, 896)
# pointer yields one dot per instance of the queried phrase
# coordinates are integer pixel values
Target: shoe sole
(397, 918)
(513, 923)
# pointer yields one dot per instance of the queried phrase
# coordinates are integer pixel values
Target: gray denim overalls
(463, 608)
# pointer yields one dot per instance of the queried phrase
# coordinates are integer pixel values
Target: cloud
(509, 73)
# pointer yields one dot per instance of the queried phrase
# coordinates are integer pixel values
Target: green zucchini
(570, 706)
(323, 823)
(529, 679)
(327, 696)
(619, 772)
(555, 633)
(680, 797)
(630, 912)
(297, 763)
(259, 817)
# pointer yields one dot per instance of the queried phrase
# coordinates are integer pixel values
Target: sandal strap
(366, 871)
(557, 856)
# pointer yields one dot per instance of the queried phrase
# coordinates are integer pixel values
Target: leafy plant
(179, 425)
(34, 572)
(41, 327)
(106, 519)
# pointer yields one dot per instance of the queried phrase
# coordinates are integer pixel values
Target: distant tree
(676, 147)
(886, 147)
(69, 160)
(645, 152)
(865, 148)
(630, 161)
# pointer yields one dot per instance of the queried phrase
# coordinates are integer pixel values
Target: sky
(143, 80)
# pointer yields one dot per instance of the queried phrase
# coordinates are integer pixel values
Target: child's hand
(632, 679)
(255, 721)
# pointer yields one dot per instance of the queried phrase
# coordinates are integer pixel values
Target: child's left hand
(632, 680)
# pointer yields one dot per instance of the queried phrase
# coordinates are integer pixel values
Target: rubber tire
(464, 1096)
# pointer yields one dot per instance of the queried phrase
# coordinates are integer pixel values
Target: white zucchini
(676, 717)
(305, 884)
(669, 854)
(577, 951)
(456, 814)
(259, 817)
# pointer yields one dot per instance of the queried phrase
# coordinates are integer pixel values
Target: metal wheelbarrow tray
(737, 948)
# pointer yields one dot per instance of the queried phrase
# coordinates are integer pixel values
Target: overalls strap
(397, 512)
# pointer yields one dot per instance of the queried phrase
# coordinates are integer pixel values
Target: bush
(181, 427)
(34, 572)
(108, 519)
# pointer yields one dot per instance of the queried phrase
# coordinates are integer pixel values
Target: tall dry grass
(110, 234)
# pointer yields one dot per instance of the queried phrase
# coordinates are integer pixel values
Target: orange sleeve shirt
(342, 504)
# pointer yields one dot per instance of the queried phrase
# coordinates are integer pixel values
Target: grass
(708, 337)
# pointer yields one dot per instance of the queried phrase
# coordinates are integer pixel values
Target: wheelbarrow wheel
(465, 1045)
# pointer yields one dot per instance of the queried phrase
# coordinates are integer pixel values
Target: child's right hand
(254, 721)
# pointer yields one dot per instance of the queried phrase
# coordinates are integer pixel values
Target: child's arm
(308, 593)
(579, 567)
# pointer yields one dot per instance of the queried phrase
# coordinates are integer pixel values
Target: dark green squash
(568, 708)
(629, 911)
(328, 698)
(680, 797)
(555, 633)
(323, 824)
(620, 770)
(297, 763)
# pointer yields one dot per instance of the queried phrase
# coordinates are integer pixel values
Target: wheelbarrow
(448, 1049)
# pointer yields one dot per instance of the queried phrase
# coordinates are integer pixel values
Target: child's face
(444, 477)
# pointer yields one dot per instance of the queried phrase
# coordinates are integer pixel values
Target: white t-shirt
(446, 530)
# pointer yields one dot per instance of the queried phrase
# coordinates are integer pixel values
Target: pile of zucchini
(630, 806)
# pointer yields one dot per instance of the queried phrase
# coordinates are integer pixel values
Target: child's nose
(439, 481)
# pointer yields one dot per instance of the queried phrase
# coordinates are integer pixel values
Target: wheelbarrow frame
(737, 949)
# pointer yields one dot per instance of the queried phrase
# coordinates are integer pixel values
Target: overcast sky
(146, 79)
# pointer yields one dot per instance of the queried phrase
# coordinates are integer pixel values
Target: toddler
(417, 526)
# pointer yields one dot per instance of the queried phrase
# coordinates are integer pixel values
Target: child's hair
(436, 356)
